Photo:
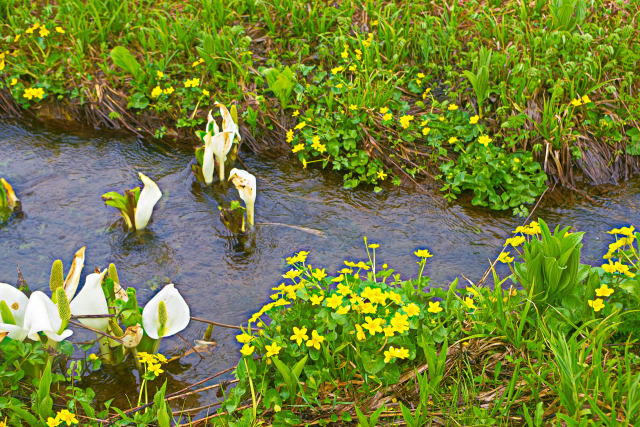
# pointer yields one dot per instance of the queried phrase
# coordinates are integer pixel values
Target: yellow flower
(296, 113)
(384, 110)
(381, 175)
(299, 335)
(300, 125)
(604, 291)
(44, 32)
(159, 74)
(423, 253)
(290, 136)
(156, 92)
(344, 289)
(394, 296)
(273, 349)
(195, 82)
(426, 92)
(316, 299)
(627, 231)
(474, 119)
(353, 107)
(198, 62)
(247, 350)
(374, 23)
(387, 117)
(161, 358)
(343, 309)
(388, 331)
(505, 258)
(373, 325)
(453, 140)
(360, 335)
(169, 90)
(434, 307)
(205, 92)
(156, 370)
(334, 301)
(400, 353)
(400, 322)
(60, 30)
(585, 99)
(336, 70)
(368, 308)
(469, 303)
(597, 305)
(484, 140)
(412, 310)
(51, 422)
(344, 54)
(92, 356)
(441, 118)
(244, 338)
(405, 120)
(514, 241)
(426, 130)
(67, 417)
(576, 102)
(319, 274)
(14, 81)
(315, 340)
(452, 107)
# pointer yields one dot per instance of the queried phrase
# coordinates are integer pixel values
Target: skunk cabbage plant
(13, 306)
(217, 144)
(9, 202)
(135, 206)
(42, 315)
(91, 301)
(245, 183)
(165, 314)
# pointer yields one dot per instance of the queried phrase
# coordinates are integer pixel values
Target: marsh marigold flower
(596, 304)
(505, 258)
(273, 349)
(299, 334)
(334, 301)
(412, 310)
(434, 307)
(474, 119)
(604, 291)
(484, 140)
(405, 120)
(423, 253)
(315, 340)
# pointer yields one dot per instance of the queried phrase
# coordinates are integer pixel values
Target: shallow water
(60, 177)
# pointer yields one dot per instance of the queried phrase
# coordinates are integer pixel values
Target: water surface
(60, 177)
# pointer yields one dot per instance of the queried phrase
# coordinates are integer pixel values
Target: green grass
(517, 64)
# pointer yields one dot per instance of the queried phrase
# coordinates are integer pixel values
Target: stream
(60, 176)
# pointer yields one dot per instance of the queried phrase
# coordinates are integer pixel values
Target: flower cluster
(33, 92)
(64, 416)
(152, 362)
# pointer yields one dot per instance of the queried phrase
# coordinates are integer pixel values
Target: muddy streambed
(60, 177)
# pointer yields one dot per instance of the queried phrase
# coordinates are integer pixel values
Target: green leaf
(125, 60)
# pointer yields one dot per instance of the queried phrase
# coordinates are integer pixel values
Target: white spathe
(149, 196)
(42, 316)
(228, 125)
(17, 302)
(178, 314)
(73, 277)
(245, 183)
(221, 144)
(91, 300)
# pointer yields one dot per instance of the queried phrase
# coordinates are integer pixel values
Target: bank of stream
(60, 177)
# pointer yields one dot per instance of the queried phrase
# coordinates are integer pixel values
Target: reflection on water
(60, 178)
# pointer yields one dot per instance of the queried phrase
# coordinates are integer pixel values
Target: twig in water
(297, 227)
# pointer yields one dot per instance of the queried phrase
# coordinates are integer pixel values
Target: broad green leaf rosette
(135, 206)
